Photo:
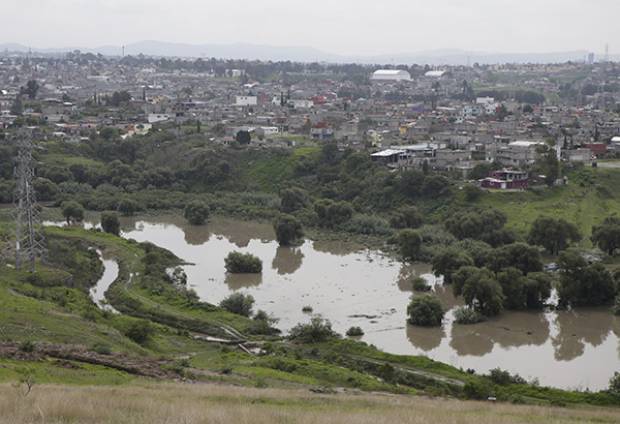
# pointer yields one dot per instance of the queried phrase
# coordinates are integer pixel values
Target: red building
(597, 149)
(506, 179)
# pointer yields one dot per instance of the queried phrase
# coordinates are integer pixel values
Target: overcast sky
(335, 26)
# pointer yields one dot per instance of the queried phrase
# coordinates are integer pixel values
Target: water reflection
(425, 338)
(576, 328)
(335, 247)
(287, 260)
(197, 235)
(243, 281)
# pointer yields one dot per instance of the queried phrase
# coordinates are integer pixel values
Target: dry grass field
(201, 403)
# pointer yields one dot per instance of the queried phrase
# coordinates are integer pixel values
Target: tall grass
(176, 403)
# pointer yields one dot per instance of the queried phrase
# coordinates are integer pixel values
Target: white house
(246, 101)
(488, 103)
(158, 117)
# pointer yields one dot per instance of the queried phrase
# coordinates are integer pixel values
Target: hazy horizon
(345, 27)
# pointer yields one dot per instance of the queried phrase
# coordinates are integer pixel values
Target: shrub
(288, 230)
(465, 315)
(196, 212)
(243, 263)
(406, 217)
(355, 332)
(140, 331)
(307, 309)
(72, 211)
(102, 349)
(263, 323)
(318, 330)
(293, 199)
(332, 214)
(476, 390)
(420, 284)
(128, 207)
(27, 346)
(238, 303)
(368, 225)
(504, 378)
(110, 223)
(425, 311)
(472, 192)
(614, 383)
(409, 243)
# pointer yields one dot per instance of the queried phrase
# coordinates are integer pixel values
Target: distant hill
(310, 54)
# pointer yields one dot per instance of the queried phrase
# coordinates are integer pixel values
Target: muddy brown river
(352, 286)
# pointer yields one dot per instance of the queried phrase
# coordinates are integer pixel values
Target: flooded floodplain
(353, 286)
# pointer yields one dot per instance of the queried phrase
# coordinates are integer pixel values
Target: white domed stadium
(391, 75)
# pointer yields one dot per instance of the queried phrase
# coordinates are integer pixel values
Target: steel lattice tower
(29, 240)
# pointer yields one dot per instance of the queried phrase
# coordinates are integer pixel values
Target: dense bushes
(110, 223)
(409, 243)
(425, 310)
(139, 331)
(584, 284)
(196, 212)
(465, 315)
(332, 214)
(288, 230)
(318, 330)
(239, 304)
(607, 235)
(243, 263)
(293, 199)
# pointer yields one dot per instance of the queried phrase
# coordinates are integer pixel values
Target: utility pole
(29, 240)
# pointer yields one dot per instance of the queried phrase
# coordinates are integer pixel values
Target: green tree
(243, 137)
(406, 217)
(425, 310)
(31, 89)
(196, 212)
(293, 199)
(17, 107)
(584, 284)
(448, 261)
(480, 290)
(409, 243)
(288, 230)
(45, 189)
(72, 211)
(243, 263)
(553, 234)
(537, 289)
(522, 256)
(110, 223)
(513, 284)
(606, 236)
(548, 165)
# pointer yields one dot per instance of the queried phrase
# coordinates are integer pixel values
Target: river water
(352, 286)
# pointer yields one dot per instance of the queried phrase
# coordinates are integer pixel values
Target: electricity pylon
(29, 240)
